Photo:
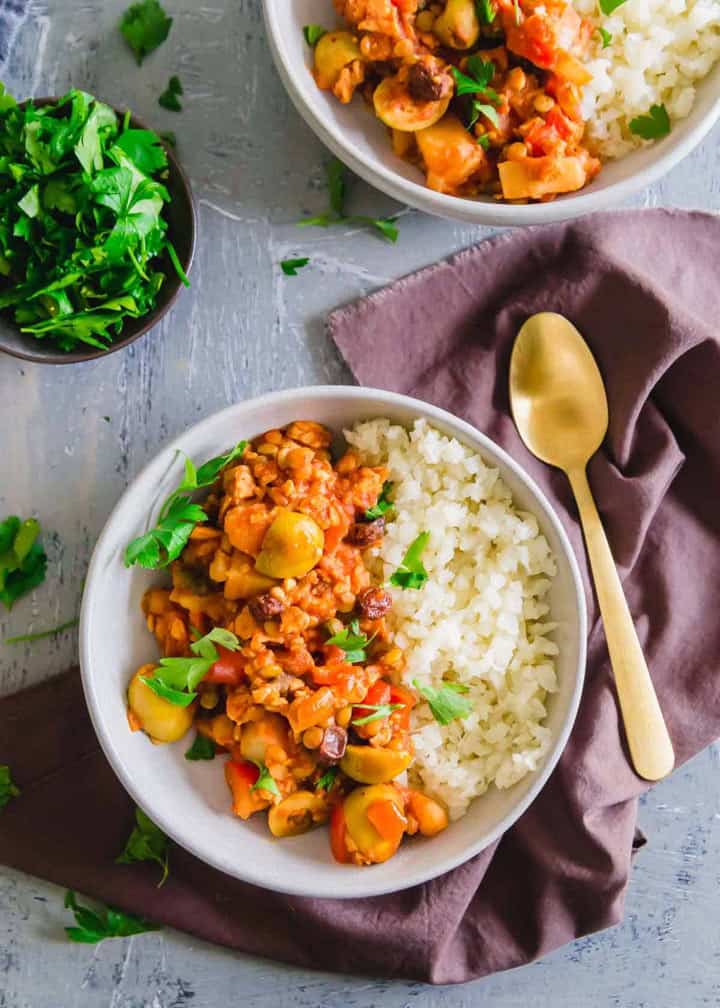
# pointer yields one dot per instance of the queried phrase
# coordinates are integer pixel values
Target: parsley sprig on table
(22, 558)
(82, 226)
(178, 515)
(42, 634)
(170, 98)
(8, 789)
(652, 126)
(147, 842)
(95, 925)
(353, 642)
(411, 573)
(176, 679)
(446, 702)
(145, 26)
(336, 173)
(290, 267)
(476, 82)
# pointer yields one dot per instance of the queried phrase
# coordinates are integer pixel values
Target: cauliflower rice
(659, 50)
(481, 618)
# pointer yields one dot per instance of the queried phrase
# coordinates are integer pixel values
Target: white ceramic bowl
(190, 801)
(361, 141)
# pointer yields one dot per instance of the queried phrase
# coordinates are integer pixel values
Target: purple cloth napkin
(641, 286)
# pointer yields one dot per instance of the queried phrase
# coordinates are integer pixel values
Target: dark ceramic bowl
(182, 229)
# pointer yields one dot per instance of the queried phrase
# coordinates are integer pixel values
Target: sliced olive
(361, 831)
(370, 765)
(296, 814)
(292, 546)
(398, 109)
(332, 54)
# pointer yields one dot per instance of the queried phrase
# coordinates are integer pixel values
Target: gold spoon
(560, 408)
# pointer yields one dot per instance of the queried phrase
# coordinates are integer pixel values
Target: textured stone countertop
(72, 438)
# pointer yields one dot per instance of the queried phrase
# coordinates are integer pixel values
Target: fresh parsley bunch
(82, 226)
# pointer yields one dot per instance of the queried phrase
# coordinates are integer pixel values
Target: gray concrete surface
(71, 438)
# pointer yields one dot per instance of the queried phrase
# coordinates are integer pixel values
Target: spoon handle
(647, 734)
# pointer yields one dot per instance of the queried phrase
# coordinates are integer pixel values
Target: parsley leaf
(22, 559)
(383, 503)
(42, 634)
(290, 267)
(484, 141)
(93, 926)
(176, 679)
(379, 711)
(605, 36)
(485, 11)
(313, 33)
(8, 790)
(147, 842)
(608, 6)
(145, 26)
(203, 748)
(411, 573)
(337, 190)
(326, 782)
(652, 126)
(481, 73)
(178, 515)
(353, 642)
(446, 703)
(266, 781)
(169, 98)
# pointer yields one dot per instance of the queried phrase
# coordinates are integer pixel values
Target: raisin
(265, 607)
(334, 742)
(364, 534)
(374, 602)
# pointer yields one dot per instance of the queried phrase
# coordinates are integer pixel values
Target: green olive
(296, 814)
(458, 26)
(292, 546)
(398, 110)
(161, 720)
(361, 831)
(332, 54)
(370, 765)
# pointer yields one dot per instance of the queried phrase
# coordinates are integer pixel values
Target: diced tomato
(533, 40)
(388, 820)
(541, 138)
(228, 669)
(337, 835)
(240, 776)
(398, 694)
(326, 675)
(566, 95)
(559, 122)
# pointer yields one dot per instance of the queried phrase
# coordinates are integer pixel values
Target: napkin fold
(641, 286)
(12, 15)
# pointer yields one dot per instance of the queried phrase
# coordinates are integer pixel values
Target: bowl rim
(477, 212)
(247, 873)
(151, 320)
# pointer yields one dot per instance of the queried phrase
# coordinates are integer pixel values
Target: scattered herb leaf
(608, 6)
(446, 703)
(327, 780)
(411, 573)
(176, 679)
(485, 11)
(605, 36)
(353, 642)
(93, 926)
(8, 790)
(652, 126)
(266, 781)
(145, 26)
(22, 559)
(313, 33)
(178, 515)
(484, 141)
(290, 267)
(169, 98)
(379, 711)
(203, 748)
(336, 174)
(383, 504)
(147, 842)
(42, 634)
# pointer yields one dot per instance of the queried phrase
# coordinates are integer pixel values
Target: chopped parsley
(379, 711)
(353, 642)
(484, 141)
(83, 229)
(178, 515)
(93, 926)
(145, 26)
(147, 842)
(652, 126)
(485, 11)
(605, 36)
(476, 82)
(383, 503)
(22, 559)
(608, 6)
(203, 748)
(169, 99)
(290, 267)
(411, 573)
(265, 781)
(326, 782)
(337, 190)
(42, 634)
(446, 703)
(313, 33)
(176, 679)
(8, 790)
